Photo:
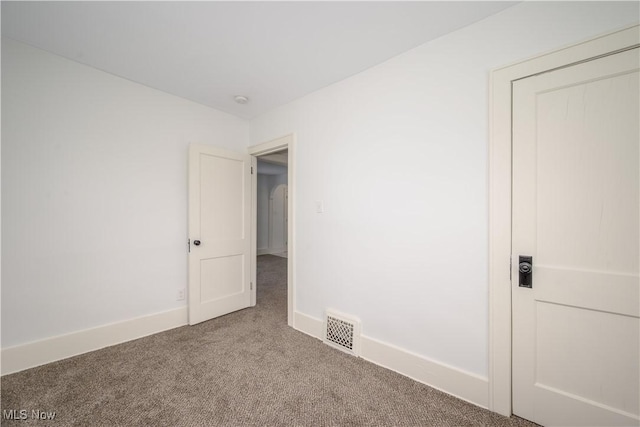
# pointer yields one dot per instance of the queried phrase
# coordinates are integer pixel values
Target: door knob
(525, 267)
(196, 242)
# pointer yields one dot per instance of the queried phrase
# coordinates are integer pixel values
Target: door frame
(500, 166)
(287, 142)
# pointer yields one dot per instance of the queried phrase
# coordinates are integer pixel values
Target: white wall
(279, 179)
(266, 184)
(262, 214)
(278, 215)
(398, 155)
(94, 187)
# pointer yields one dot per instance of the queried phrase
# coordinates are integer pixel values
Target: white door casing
(220, 213)
(576, 187)
(288, 143)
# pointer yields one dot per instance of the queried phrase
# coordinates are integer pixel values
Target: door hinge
(510, 265)
(189, 245)
(251, 285)
(251, 170)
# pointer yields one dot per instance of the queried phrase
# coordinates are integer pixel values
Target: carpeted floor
(246, 368)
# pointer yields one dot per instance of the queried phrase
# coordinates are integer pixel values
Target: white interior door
(219, 232)
(576, 213)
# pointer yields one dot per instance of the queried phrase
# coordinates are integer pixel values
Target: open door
(219, 232)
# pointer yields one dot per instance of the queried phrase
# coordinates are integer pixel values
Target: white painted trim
(287, 142)
(461, 384)
(272, 146)
(500, 196)
(30, 355)
(464, 385)
(308, 325)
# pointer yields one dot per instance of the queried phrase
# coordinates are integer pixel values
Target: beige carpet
(246, 368)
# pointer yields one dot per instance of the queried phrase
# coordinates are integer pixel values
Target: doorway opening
(273, 201)
(271, 229)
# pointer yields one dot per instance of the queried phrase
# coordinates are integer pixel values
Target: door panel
(576, 198)
(226, 275)
(572, 340)
(220, 219)
(223, 188)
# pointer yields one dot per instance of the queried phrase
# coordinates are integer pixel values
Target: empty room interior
(339, 213)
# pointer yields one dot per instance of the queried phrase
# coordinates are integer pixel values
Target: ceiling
(265, 168)
(274, 163)
(209, 52)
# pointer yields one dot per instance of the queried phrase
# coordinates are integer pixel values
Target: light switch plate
(319, 206)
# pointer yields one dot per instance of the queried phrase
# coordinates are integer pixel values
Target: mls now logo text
(23, 414)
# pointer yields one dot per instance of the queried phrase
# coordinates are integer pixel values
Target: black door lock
(525, 268)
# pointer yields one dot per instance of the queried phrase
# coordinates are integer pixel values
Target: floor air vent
(342, 332)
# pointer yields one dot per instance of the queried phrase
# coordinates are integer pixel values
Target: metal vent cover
(342, 332)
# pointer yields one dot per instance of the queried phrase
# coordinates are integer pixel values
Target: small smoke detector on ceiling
(241, 99)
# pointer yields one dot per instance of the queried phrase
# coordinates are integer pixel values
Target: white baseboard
(30, 355)
(307, 324)
(464, 385)
(461, 384)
